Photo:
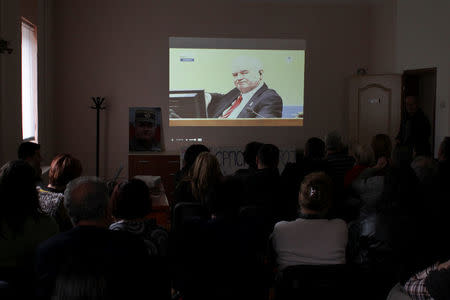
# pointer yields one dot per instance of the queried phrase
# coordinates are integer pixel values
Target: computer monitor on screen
(188, 104)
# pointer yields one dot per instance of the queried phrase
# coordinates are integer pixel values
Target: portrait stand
(97, 106)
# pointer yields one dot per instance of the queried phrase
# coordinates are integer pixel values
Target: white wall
(423, 41)
(10, 81)
(119, 50)
(382, 41)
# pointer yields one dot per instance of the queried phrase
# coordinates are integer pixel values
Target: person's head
(64, 168)
(444, 149)
(411, 105)
(382, 146)
(316, 193)
(131, 200)
(205, 174)
(364, 155)
(18, 195)
(31, 153)
(192, 152)
(250, 152)
(333, 142)
(314, 148)
(87, 199)
(425, 168)
(268, 157)
(247, 73)
(144, 125)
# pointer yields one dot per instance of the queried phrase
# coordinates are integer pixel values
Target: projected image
(235, 84)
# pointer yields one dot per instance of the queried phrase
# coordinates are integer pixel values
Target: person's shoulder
(268, 92)
(284, 224)
(339, 224)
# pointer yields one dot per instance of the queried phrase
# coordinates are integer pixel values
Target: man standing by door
(415, 127)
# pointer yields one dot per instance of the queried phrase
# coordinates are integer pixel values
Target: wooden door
(374, 107)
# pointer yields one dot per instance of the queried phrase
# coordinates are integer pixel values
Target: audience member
(338, 160)
(264, 188)
(22, 225)
(444, 164)
(382, 147)
(364, 240)
(364, 158)
(190, 155)
(217, 256)
(293, 173)
(131, 203)
(338, 164)
(201, 181)
(398, 213)
(250, 153)
(312, 238)
(120, 256)
(31, 153)
(431, 283)
(63, 169)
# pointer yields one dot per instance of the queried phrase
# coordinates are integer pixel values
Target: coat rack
(98, 106)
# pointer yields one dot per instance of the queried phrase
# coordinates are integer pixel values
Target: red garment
(352, 174)
(230, 110)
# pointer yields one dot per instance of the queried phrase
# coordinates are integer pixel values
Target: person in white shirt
(311, 239)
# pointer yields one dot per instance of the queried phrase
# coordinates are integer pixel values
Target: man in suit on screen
(251, 98)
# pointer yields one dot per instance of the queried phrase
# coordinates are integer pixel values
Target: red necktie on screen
(230, 110)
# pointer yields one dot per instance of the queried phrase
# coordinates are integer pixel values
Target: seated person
(264, 189)
(131, 203)
(22, 225)
(251, 98)
(293, 173)
(118, 255)
(250, 152)
(63, 169)
(216, 256)
(31, 153)
(311, 239)
(201, 181)
(190, 155)
(431, 283)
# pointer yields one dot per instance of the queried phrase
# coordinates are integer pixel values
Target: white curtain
(29, 82)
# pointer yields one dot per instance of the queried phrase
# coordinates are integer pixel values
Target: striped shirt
(415, 286)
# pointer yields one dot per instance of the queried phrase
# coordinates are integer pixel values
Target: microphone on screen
(173, 114)
(249, 109)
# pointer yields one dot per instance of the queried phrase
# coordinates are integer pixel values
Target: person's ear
(260, 73)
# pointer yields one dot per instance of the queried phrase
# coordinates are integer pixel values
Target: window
(29, 81)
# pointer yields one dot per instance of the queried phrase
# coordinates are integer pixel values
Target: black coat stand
(98, 106)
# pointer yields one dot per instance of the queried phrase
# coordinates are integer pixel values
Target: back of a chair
(184, 211)
(314, 282)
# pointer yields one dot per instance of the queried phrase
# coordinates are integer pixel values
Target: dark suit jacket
(265, 103)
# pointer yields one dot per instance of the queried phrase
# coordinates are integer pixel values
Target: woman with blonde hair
(202, 180)
(205, 175)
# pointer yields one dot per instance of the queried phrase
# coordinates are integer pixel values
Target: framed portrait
(145, 129)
